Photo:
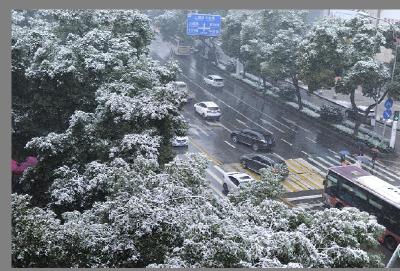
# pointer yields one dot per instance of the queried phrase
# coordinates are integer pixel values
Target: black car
(256, 162)
(256, 139)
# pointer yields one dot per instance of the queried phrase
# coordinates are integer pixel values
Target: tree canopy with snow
(107, 193)
(345, 49)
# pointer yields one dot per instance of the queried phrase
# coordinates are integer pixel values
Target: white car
(208, 110)
(180, 141)
(214, 80)
(180, 85)
(235, 180)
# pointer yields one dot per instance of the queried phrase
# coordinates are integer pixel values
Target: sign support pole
(395, 257)
(394, 129)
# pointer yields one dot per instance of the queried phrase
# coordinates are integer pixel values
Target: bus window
(331, 184)
(347, 193)
(375, 204)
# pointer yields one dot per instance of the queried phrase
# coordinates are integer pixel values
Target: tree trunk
(357, 119)
(298, 94)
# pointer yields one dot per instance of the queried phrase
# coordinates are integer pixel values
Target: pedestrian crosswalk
(308, 173)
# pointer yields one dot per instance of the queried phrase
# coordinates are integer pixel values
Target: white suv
(235, 180)
(214, 80)
(208, 110)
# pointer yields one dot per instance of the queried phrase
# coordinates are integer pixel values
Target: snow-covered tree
(283, 58)
(60, 58)
(337, 48)
(232, 26)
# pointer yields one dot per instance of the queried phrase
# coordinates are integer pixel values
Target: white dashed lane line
(229, 144)
(311, 139)
(286, 142)
(270, 124)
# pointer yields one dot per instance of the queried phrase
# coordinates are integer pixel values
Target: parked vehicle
(208, 110)
(180, 141)
(349, 113)
(256, 139)
(214, 80)
(256, 162)
(235, 180)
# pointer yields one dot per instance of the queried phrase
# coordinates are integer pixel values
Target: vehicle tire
(339, 205)
(234, 139)
(204, 116)
(244, 165)
(390, 243)
(255, 147)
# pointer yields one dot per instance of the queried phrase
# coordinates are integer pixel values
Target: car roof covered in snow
(214, 76)
(210, 104)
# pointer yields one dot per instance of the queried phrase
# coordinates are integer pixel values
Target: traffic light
(396, 116)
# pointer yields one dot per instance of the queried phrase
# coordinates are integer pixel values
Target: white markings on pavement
(242, 122)
(309, 206)
(220, 169)
(286, 142)
(292, 122)
(311, 139)
(305, 197)
(305, 153)
(331, 151)
(269, 123)
(230, 144)
(218, 179)
(201, 130)
(279, 156)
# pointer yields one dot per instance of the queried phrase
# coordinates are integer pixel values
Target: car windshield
(245, 178)
(218, 80)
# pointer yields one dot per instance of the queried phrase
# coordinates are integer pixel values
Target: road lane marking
(204, 132)
(326, 162)
(312, 167)
(194, 131)
(218, 179)
(219, 169)
(304, 197)
(279, 156)
(241, 122)
(219, 125)
(319, 164)
(311, 139)
(305, 175)
(292, 122)
(305, 153)
(336, 162)
(286, 142)
(269, 123)
(230, 144)
(201, 149)
(331, 151)
(310, 205)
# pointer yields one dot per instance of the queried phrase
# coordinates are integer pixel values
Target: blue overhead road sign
(203, 25)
